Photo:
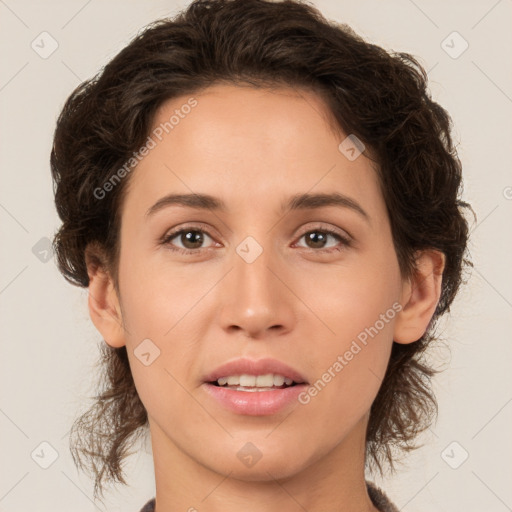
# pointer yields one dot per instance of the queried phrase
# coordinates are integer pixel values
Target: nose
(255, 298)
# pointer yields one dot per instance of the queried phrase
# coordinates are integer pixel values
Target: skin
(297, 302)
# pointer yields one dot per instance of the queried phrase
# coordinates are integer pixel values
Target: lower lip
(255, 403)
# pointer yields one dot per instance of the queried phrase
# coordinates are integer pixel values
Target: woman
(265, 209)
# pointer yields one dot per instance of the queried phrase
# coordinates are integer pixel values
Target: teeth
(255, 381)
(279, 380)
(263, 381)
(247, 381)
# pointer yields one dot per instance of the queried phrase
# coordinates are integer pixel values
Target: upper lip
(255, 367)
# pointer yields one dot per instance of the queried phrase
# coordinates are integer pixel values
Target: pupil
(193, 237)
(314, 236)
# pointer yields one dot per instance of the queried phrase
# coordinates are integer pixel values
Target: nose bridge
(256, 299)
(252, 272)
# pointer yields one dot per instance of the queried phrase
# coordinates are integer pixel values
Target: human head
(379, 97)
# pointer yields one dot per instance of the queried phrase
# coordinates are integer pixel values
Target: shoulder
(378, 497)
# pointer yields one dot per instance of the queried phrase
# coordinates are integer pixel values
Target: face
(259, 283)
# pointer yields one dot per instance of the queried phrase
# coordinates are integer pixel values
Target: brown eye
(191, 239)
(316, 239)
(187, 240)
(319, 238)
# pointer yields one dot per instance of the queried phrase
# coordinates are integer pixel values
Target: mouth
(254, 374)
(254, 388)
(254, 383)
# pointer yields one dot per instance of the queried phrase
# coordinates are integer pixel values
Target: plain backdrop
(49, 345)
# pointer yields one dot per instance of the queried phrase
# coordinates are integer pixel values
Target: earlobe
(420, 296)
(103, 302)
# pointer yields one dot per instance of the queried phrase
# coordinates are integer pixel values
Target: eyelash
(166, 240)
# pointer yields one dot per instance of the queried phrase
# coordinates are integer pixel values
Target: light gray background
(49, 345)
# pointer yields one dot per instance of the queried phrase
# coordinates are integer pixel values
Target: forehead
(246, 144)
(277, 119)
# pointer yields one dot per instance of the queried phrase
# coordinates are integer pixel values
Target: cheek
(158, 302)
(357, 308)
(349, 368)
(157, 295)
(351, 300)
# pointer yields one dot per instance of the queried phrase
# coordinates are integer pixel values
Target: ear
(420, 296)
(104, 306)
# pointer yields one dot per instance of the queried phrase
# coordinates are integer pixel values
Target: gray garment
(379, 499)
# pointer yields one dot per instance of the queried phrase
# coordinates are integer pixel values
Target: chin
(278, 467)
(260, 460)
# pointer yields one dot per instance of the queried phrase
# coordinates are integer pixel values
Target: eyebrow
(197, 201)
(306, 201)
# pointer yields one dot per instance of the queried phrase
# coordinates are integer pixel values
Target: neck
(335, 482)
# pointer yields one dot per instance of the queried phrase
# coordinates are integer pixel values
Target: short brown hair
(379, 96)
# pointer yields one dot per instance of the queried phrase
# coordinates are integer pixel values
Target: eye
(317, 239)
(191, 240)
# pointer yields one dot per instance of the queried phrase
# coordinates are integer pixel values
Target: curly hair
(378, 95)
